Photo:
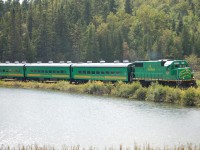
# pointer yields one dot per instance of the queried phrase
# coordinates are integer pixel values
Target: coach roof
(11, 65)
(101, 65)
(48, 65)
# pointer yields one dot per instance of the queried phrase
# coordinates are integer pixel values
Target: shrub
(96, 87)
(189, 97)
(156, 93)
(173, 95)
(125, 90)
(141, 93)
(61, 86)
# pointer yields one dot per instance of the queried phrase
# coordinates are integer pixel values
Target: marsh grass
(154, 93)
(120, 147)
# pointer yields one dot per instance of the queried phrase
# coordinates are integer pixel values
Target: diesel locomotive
(166, 72)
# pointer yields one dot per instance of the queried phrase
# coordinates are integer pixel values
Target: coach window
(112, 72)
(102, 72)
(117, 72)
(84, 72)
(61, 71)
(42, 71)
(54, 71)
(107, 72)
(80, 72)
(88, 72)
(39, 71)
(58, 71)
(50, 71)
(93, 72)
(97, 72)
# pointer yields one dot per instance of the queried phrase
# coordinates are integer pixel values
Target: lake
(56, 118)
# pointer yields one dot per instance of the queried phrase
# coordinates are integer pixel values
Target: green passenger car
(165, 71)
(11, 71)
(48, 71)
(102, 72)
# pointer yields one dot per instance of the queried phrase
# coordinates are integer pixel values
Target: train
(164, 71)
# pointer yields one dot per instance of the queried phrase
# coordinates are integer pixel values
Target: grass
(121, 147)
(154, 93)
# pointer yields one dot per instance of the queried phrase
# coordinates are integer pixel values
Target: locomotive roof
(175, 61)
(101, 64)
(11, 64)
(167, 63)
(48, 65)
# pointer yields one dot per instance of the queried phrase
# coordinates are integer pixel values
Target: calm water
(55, 118)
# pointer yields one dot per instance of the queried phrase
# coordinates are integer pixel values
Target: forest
(94, 30)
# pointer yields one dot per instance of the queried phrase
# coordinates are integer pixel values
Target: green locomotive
(166, 72)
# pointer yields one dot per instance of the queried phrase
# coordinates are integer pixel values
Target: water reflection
(55, 118)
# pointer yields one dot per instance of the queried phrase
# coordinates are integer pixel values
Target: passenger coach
(82, 72)
(48, 71)
(12, 70)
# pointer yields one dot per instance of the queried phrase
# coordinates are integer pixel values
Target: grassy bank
(121, 147)
(155, 93)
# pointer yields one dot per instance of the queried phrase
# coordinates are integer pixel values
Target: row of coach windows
(48, 71)
(10, 70)
(99, 72)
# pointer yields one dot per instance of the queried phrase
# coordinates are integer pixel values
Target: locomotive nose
(185, 74)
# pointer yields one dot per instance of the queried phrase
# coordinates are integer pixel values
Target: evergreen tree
(87, 12)
(112, 6)
(128, 8)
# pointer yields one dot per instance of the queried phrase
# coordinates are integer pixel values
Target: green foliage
(93, 30)
(159, 93)
(141, 93)
(191, 97)
(125, 90)
(96, 88)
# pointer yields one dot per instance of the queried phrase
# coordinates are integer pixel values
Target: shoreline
(135, 146)
(134, 91)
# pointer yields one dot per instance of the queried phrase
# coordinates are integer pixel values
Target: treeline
(81, 30)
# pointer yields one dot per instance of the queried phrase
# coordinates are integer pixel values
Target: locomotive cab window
(177, 66)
